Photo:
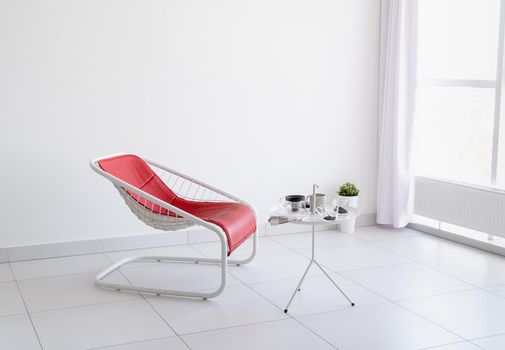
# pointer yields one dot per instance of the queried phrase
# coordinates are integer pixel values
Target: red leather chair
(169, 200)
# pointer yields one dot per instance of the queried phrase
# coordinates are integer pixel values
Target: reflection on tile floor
(412, 291)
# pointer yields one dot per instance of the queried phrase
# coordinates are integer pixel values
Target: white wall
(259, 97)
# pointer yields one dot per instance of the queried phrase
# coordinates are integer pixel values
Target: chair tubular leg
(223, 261)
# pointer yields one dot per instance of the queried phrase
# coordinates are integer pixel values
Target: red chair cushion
(135, 171)
(237, 220)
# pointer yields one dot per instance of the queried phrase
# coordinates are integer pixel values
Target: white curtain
(396, 110)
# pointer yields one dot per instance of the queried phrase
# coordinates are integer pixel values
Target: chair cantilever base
(223, 262)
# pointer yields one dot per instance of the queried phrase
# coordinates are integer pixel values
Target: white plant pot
(348, 226)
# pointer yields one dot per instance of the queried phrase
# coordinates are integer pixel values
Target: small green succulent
(348, 190)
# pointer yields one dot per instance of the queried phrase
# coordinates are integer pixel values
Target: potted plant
(348, 194)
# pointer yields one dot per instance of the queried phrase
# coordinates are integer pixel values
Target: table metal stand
(314, 261)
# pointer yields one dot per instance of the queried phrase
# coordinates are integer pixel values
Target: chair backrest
(136, 172)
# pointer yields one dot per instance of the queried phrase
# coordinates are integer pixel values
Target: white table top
(304, 217)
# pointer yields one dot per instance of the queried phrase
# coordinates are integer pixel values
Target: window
(457, 127)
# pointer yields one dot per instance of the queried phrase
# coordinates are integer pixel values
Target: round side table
(316, 220)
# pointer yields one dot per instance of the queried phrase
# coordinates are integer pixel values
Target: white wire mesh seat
(168, 200)
(160, 222)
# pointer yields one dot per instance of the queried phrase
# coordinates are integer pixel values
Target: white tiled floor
(5, 273)
(412, 291)
(405, 281)
(383, 326)
(58, 266)
(471, 314)
(16, 332)
(482, 270)
(11, 302)
(353, 256)
(43, 294)
(237, 306)
(491, 343)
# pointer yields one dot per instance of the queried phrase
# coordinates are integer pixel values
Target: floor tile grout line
(492, 293)
(54, 257)
(12, 315)
(358, 240)
(414, 259)
(132, 342)
(452, 343)
(240, 326)
(308, 246)
(405, 263)
(240, 255)
(314, 332)
(101, 252)
(431, 321)
(436, 295)
(184, 342)
(27, 312)
(340, 273)
(495, 285)
(151, 248)
(84, 305)
(488, 336)
(231, 327)
(364, 268)
(59, 275)
(477, 345)
(450, 275)
(343, 309)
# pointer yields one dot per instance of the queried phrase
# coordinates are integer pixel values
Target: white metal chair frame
(181, 219)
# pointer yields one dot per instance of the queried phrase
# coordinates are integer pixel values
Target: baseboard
(151, 240)
(95, 246)
(4, 255)
(54, 250)
(472, 242)
(367, 219)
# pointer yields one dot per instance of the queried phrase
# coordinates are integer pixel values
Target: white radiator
(472, 207)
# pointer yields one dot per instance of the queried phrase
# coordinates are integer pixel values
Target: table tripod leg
(335, 284)
(312, 258)
(298, 286)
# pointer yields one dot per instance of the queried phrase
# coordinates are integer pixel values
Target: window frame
(495, 84)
